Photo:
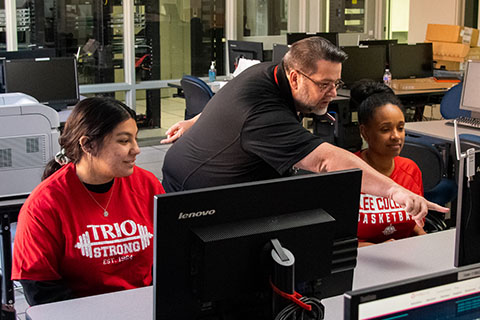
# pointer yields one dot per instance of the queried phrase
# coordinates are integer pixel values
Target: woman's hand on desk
(178, 129)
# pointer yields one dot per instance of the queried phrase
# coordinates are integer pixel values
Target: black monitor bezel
(327, 191)
(60, 103)
(352, 299)
(243, 46)
(378, 57)
(279, 51)
(410, 69)
(467, 237)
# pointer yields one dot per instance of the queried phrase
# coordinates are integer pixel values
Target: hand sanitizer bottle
(212, 72)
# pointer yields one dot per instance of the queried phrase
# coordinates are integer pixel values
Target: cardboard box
(420, 84)
(449, 51)
(448, 65)
(452, 33)
(473, 54)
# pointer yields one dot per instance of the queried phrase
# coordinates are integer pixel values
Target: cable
(295, 312)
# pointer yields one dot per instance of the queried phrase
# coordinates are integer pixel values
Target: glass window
(91, 30)
(265, 17)
(188, 35)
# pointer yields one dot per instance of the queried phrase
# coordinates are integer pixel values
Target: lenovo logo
(196, 214)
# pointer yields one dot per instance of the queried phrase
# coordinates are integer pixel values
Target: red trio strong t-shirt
(381, 219)
(63, 234)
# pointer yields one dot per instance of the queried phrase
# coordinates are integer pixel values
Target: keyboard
(467, 122)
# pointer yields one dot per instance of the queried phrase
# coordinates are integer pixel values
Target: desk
(437, 129)
(377, 264)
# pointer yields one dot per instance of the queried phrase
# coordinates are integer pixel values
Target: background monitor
(411, 60)
(364, 63)
(279, 51)
(22, 54)
(212, 245)
(467, 237)
(243, 49)
(383, 42)
(470, 99)
(295, 36)
(52, 81)
(453, 294)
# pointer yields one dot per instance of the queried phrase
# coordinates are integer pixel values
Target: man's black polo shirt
(248, 131)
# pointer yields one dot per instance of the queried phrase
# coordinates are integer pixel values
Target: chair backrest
(427, 158)
(450, 104)
(197, 94)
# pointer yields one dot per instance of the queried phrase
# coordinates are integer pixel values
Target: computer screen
(22, 54)
(383, 42)
(212, 245)
(364, 63)
(470, 98)
(467, 237)
(295, 36)
(52, 81)
(243, 49)
(453, 294)
(279, 51)
(411, 60)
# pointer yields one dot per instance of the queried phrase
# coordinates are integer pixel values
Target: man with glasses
(251, 130)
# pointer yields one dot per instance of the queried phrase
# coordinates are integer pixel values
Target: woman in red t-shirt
(382, 126)
(87, 228)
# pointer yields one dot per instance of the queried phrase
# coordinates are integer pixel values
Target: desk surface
(377, 264)
(437, 129)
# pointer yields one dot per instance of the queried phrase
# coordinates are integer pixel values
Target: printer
(29, 133)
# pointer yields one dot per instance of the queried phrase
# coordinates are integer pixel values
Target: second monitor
(243, 49)
(52, 81)
(364, 63)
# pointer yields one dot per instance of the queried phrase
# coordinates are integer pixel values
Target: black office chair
(437, 188)
(197, 94)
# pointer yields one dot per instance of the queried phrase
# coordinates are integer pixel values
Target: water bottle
(212, 72)
(387, 77)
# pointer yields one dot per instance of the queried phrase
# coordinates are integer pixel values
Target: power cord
(296, 312)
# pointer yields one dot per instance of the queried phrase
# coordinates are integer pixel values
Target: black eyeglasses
(324, 86)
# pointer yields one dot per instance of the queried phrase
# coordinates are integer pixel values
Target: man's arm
(327, 157)
(178, 129)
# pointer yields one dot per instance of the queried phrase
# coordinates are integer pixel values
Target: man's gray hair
(304, 54)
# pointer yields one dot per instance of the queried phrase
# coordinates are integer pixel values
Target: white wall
(423, 12)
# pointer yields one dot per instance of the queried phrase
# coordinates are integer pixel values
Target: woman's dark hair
(94, 118)
(367, 95)
(304, 54)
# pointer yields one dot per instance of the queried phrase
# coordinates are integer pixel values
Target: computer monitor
(279, 51)
(383, 42)
(453, 294)
(52, 81)
(467, 237)
(243, 49)
(22, 54)
(470, 98)
(295, 36)
(411, 60)
(211, 248)
(364, 63)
